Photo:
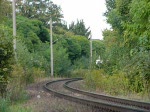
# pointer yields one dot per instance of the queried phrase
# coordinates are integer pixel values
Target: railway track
(99, 102)
(139, 104)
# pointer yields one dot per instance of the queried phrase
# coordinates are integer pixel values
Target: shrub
(117, 84)
(95, 79)
(78, 73)
(6, 54)
(113, 84)
(17, 84)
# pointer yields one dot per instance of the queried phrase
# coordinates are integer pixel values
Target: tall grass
(4, 105)
(117, 84)
(19, 108)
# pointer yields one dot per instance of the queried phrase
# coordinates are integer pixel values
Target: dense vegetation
(71, 47)
(124, 50)
(126, 57)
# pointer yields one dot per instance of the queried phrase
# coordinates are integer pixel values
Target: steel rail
(140, 104)
(96, 104)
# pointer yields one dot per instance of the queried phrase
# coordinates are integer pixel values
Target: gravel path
(41, 101)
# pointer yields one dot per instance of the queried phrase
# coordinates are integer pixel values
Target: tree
(73, 49)
(60, 28)
(6, 47)
(79, 28)
(117, 13)
(61, 60)
(110, 4)
(138, 32)
(128, 49)
(33, 31)
(84, 43)
(5, 9)
(113, 51)
(6, 55)
(39, 9)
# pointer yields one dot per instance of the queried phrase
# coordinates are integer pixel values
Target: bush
(113, 84)
(17, 84)
(78, 73)
(95, 79)
(117, 84)
(6, 54)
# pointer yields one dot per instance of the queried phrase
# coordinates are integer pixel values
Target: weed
(18, 108)
(4, 105)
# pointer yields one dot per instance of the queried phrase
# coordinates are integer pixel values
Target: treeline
(126, 57)
(124, 51)
(129, 39)
(70, 44)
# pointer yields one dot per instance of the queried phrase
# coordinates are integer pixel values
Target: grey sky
(91, 11)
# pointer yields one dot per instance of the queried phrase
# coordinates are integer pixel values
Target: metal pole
(14, 28)
(90, 52)
(51, 46)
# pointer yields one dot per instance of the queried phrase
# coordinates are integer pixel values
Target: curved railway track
(97, 101)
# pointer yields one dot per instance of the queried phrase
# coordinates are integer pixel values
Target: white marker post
(90, 51)
(51, 48)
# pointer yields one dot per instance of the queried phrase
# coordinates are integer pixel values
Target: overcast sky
(91, 11)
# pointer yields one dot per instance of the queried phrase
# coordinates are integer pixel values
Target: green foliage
(74, 49)
(84, 43)
(6, 50)
(5, 10)
(6, 54)
(139, 12)
(81, 63)
(98, 48)
(117, 84)
(18, 94)
(79, 28)
(111, 4)
(34, 52)
(139, 67)
(138, 32)
(33, 29)
(25, 59)
(24, 55)
(18, 108)
(78, 73)
(60, 28)
(39, 9)
(61, 60)
(77, 47)
(118, 13)
(113, 51)
(4, 105)
(31, 62)
(127, 43)
(17, 83)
